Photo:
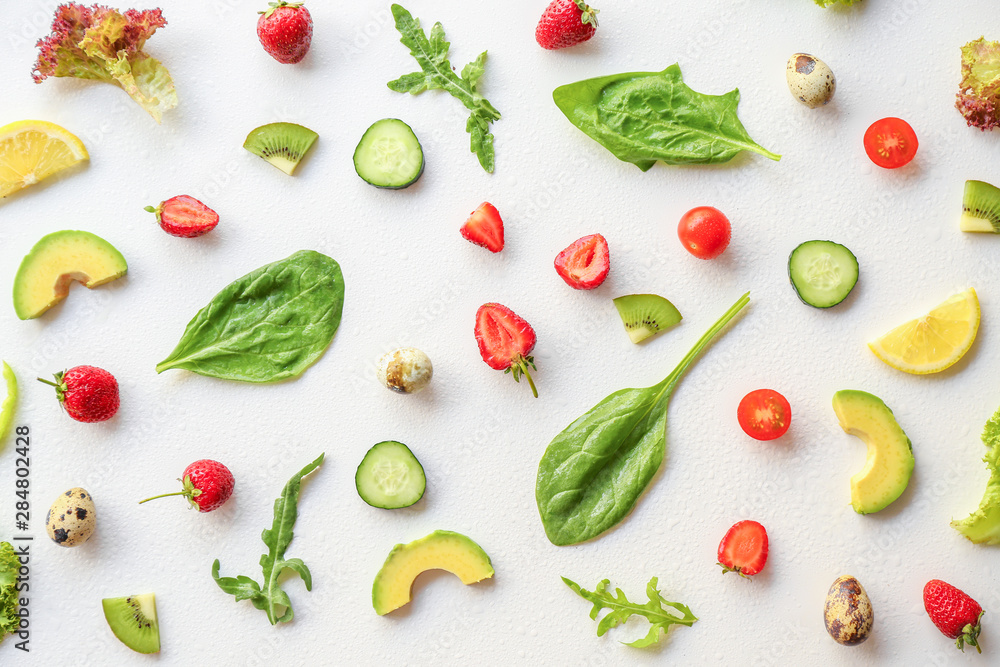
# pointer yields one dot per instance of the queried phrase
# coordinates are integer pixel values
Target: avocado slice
(890, 454)
(57, 260)
(441, 550)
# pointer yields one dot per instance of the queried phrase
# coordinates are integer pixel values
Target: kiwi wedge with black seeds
(133, 620)
(980, 208)
(645, 315)
(282, 144)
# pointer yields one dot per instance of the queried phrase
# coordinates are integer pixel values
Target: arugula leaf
(642, 117)
(270, 596)
(9, 567)
(271, 324)
(436, 72)
(621, 610)
(593, 473)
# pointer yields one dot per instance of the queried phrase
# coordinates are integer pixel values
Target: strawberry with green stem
(954, 613)
(89, 394)
(743, 549)
(207, 485)
(566, 23)
(505, 341)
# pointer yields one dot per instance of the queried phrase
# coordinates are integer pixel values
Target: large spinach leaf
(271, 324)
(642, 117)
(592, 474)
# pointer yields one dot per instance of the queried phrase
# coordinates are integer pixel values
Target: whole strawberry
(505, 341)
(89, 394)
(207, 485)
(285, 30)
(566, 23)
(954, 613)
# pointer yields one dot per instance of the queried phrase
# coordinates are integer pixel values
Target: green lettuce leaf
(9, 567)
(983, 525)
(103, 44)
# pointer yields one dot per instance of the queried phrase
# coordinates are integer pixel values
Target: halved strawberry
(744, 549)
(505, 340)
(484, 227)
(184, 216)
(585, 263)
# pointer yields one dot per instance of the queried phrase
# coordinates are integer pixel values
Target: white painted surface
(412, 280)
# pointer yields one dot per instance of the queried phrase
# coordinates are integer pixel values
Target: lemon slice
(31, 150)
(935, 341)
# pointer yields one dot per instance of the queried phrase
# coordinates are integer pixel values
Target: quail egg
(71, 519)
(406, 370)
(810, 79)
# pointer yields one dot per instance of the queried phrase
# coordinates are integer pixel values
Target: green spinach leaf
(436, 72)
(271, 324)
(593, 473)
(270, 596)
(642, 117)
(621, 610)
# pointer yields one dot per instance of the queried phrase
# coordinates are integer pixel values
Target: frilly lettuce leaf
(9, 566)
(979, 93)
(983, 525)
(106, 45)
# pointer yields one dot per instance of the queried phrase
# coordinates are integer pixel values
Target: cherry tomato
(764, 414)
(890, 143)
(704, 232)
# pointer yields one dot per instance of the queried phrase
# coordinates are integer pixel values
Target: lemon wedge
(935, 341)
(31, 150)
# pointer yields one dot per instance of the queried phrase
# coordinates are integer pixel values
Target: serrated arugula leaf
(270, 596)
(620, 610)
(436, 73)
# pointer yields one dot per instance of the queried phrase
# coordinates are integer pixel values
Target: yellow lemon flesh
(935, 341)
(32, 150)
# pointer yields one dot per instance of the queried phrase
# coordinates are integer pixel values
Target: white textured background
(411, 279)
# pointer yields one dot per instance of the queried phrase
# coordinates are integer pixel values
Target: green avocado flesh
(57, 260)
(890, 455)
(441, 550)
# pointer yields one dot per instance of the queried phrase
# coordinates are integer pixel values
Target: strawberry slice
(744, 549)
(484, 227)
(505, 340)
(184, 216)
(585, 263)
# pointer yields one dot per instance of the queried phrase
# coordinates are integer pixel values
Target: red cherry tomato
(764, 414)
(890, 143)
(704, 232)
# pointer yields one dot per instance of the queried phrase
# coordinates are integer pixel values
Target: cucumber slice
(823, 273)
(389, 155)
(390, 476)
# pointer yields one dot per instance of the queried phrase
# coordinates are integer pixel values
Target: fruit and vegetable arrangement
(283, 361)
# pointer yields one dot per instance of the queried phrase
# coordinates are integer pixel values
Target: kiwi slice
(646, 314)
(282, 144)
(133, 620)
(980, 208)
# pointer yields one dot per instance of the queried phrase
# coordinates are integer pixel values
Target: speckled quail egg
(71, 519)
(848, 613)
(810, 79)
(406, 370)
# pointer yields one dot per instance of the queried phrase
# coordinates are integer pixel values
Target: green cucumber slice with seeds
(823, 273)
(390, 476)
(389, 155)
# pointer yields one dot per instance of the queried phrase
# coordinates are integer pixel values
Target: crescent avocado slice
(890, 455)
(441, 550)
(55, 262)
